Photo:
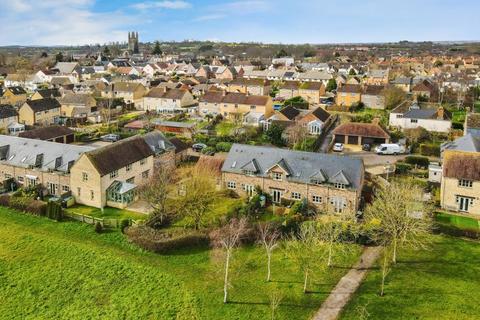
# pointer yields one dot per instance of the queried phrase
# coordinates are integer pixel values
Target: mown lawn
(51, 270)
(225, 128)
(108, 213)
(440, 283)
(461, 222)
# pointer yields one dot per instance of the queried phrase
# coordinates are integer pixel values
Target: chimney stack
(376, 121)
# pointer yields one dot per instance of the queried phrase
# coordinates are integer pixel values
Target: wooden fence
(106, 223)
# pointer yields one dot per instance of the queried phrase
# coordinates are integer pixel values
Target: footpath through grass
(51, 270)
(440, 283)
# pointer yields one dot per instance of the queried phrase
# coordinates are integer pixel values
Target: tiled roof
(46, 133)
(370, 130)
(43, 104)
(460, 165)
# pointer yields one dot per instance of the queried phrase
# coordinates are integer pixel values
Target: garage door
(353, 140)
(340, 139)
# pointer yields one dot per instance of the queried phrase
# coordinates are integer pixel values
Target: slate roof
(46, 133)
(49, 93)
(119, 154)
(321, 114)
(373, 90)
(23, 152)
(161, 93)
(179, 144)
(303, 167)
(420, 111)
(17, 90)
(7, 111)
(350, 88)
(43, 104)
(234, 98)
(157, 142)
(467, 143)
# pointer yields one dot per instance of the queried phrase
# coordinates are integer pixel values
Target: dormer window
(249, 173)
(339, 185)
(317, 182)
(277, 176)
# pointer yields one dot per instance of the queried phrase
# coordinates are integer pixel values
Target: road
(328, 138)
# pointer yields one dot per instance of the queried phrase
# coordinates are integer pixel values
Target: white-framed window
(113, 174)
(145, 174)
(128, 167)
(8, 175)
(296, 195)
(465, 183)
(316, 199)
(65, 188)
(413, 120)
(84, 176)
(231, 185)
(249, 173)
(276, 176)
(131, 180)
(339, 185)
(20, 179)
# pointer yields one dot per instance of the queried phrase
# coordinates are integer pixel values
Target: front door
(249, 190)
(463, 203)
(276, 196)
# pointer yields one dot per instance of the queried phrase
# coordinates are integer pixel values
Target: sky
(78, 22)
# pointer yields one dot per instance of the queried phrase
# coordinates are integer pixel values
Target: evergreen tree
(156, 49)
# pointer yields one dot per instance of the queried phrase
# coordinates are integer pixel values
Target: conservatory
(121, 194)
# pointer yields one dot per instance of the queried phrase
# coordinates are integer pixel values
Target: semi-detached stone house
(8, 116)
(39, 112)
(309, 91)
(259, 87)
(15, 96)
(164, 100)
(77, 105)
(131, 92)
(460, 186)
(108, 176)
(233, 105)
(329, 182)
(348, 95)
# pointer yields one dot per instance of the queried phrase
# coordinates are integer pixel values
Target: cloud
(58, 22)
(174, 5)
(213, 16)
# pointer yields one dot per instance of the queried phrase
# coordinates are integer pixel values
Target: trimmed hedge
(430, 150)
(402, 167)
(418, 160)
(35, 207)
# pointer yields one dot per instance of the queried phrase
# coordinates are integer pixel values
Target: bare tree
(228, 237)
(275, 300)
(400, 217)
(303, 249)
(296, 134)
(199, 196)
(156, 192)
(269, 236)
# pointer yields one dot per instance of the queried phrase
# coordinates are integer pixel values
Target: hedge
(418, 160)
(35, 207)
(402, 168)
(163, 241)
(430, 150)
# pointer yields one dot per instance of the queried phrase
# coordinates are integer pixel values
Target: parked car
(111, 137)
(390, 149)
(338, 147)
(198, 147)
(367, 147)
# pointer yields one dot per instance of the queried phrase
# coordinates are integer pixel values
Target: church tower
(133, 42)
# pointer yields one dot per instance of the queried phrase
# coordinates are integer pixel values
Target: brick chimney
(440, 113)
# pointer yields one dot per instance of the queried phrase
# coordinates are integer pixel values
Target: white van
(390, 149)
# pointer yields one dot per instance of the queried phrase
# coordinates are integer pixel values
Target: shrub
(36, 207)
(5, 200)
(402, 168)
(125, 223)
(98, 227)
(430, 150)
(418, 160)
(19, 202)
(223, 146)
(54, 210)
(163, 242)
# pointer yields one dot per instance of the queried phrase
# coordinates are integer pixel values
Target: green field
(438, 283)
(51, 270)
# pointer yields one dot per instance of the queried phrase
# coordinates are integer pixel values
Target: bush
(125, 223)
(38, 208)
(223, 146)
(5, 200)
(402, 167)
(163, 242)
(98, 227)
(54, 210)
(430, 150)
(418, 160)
(208, 150)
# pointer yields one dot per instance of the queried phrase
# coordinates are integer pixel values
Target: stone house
(109, 176)
(8, 116)
(163, 100)
(460, 186)
(372, 97)
(329, 182)
(35, 162)
(411, 116)
(348, 95)
(77, 105)
(258, 87)
(16, 96)
(39, 112)
(130, 92)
